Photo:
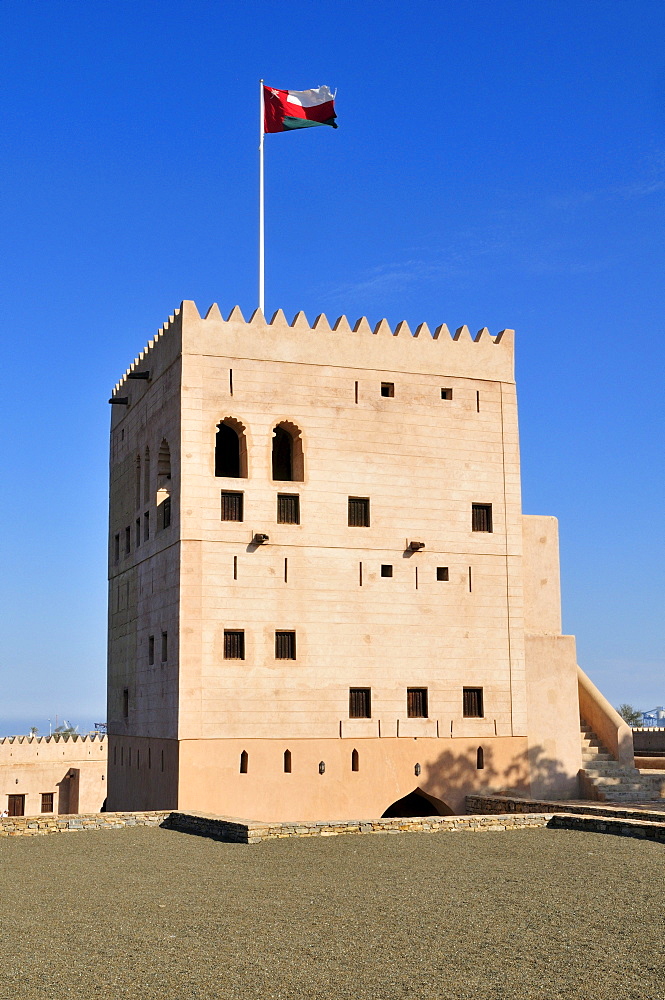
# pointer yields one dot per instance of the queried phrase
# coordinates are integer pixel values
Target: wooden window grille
(473, 703)
(416, 703)
(234, 644)
(481, 517)
(151, 650)
(386, 569)
(288, 508)
(360, 703)
(388, 389)
(442, 573)
(359, 512)
(47, 802)
(285, 645)
(165, 646)
(232, 506)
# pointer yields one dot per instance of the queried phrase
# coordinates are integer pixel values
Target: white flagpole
(261, 212)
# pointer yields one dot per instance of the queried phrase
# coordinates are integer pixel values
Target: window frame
(482, 513)
(353, 521)
(283, 505)
(285, 638)
(360, 701)
(473, 697)
(239, 498)
(234, 638)
(417, 703)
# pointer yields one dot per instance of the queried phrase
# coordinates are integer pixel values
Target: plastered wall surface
(422, 460)
(72, 769)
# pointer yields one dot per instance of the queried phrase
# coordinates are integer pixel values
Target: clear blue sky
(497, 164)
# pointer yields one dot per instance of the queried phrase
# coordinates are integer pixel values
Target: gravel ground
(153, 913)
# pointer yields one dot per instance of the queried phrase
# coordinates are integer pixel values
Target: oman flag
(284, 110)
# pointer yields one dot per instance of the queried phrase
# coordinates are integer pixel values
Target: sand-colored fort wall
(71, 768)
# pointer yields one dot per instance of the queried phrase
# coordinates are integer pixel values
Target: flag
(284, 110)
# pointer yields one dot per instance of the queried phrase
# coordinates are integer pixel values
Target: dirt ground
(151, 913)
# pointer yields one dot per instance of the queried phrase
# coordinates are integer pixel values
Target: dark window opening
(234, 645)
(480, 759)
(481, 517)
(146, 526)
(149, 758)
(230, 450)
(287, 762)
(446, 394)
(137, 533)
(125, 703)
(285, 645)
(128, 541)
(355, 761)
(235, 567)
(442, 573)
(162, 760)
(164, 461)
(388, 389)
(137, 482)
(386, 570)
(478, 402)
(116, 548)
(232, 504)
(416, 703)
(356, 392)
(287, 454)
(360, 703)
(473, 703)
(165, 646)
(164, 513)
(47, 802)
(151, 649)
(244, 761)
(359, 512)
(146, 476)
(288, 508)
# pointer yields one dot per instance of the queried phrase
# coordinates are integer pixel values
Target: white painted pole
(261, 211)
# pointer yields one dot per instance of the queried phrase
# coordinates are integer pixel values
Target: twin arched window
(231, 451)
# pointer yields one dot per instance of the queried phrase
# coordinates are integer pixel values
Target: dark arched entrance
(416, 804)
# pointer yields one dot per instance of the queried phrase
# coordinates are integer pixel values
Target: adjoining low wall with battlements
(52, 775)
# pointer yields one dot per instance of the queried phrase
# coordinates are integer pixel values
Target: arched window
(287, 454)
(163, 498)
(287, 762)
(355, 761)
(146, 476)
(244, 761)
(230, 449)
(137, 482)
(480, 758)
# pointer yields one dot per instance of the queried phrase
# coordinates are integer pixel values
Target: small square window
(234, 645)
(387, 388)
(359, 512)
(232, 506)
(47, 802)
(285, 645)
(288, 508)
(360, 703)
(446, 394)
(473, 703)
(151, 649)
(442, 573)
(481, 517)
(386, 570)
(416, 703)
(165, 646)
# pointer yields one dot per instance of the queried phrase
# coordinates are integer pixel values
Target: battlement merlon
(361, 347)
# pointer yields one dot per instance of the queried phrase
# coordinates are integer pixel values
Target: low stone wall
(652, 763)
(642, 828)
(33, 826)
(253, 832)
(490, 804)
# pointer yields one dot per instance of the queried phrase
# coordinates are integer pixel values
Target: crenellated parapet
(56, 738)
(338, 344)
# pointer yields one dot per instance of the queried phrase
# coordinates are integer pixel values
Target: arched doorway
(416, 803)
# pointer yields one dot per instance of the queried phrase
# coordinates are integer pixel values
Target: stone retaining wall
(490, 804)
(252, 832)
(32, 826)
